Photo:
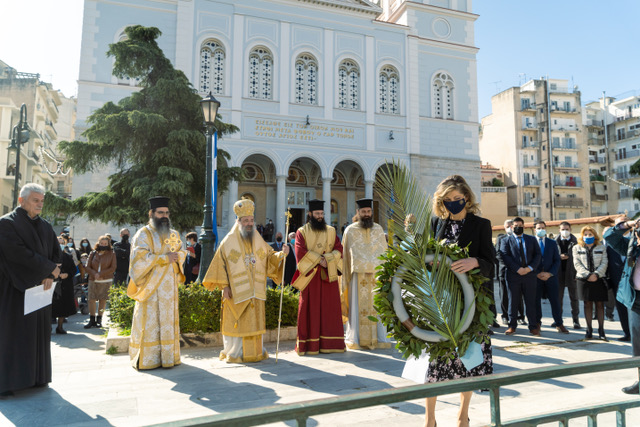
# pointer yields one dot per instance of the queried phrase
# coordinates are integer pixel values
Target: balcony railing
(628, 115)
(567, 182)
(594, 122)
(531, 181)
(529, 126)
(627, 154)
(625, 193)
(622, 175)
(564, 127)
(532, 202)
(33, 155)
(564, 145)
(568, 202)
(595, 140)
(489, 189)
(566, 165)
(596, 159)
(598, 177)
(525, 212)
(531, 164)
(531, 144)
(628, 135)
(563, 109)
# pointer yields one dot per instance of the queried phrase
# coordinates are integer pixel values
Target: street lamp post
(209, 233)
(19, 136)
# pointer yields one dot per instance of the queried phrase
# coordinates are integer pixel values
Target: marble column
(368, 189)
(281, 196)
(326, 196)
(233, 197)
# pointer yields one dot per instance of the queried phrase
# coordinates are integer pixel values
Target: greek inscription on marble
(284, 130)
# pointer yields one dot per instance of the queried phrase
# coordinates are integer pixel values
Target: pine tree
(155, 139)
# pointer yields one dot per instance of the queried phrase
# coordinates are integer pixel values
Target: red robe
(320, 327)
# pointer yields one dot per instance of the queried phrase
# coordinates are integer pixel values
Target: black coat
(476, 232)
(290, 266)
(567, 271)
(64, 301)
(29, 252)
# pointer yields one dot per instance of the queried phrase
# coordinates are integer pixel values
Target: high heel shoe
(601, 334)
(589, 333)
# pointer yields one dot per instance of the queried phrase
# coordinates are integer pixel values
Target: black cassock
(29, 252)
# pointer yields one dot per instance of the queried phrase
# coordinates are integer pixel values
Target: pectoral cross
(174, 242)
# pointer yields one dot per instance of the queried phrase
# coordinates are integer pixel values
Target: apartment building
(534, 135)
(600, 186)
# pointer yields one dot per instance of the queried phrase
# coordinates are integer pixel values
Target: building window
(126, 81)
(212, 58)
(349, 85)
(388, 90)
(443, 96)
(306, 72)
(260, 73)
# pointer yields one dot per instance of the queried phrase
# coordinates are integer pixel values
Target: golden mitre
(243, 207)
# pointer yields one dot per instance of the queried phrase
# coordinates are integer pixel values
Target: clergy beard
(317, 224)
(366, 222)
(162, 225)
(246, 232)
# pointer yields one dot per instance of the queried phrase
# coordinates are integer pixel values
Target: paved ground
(92, 388)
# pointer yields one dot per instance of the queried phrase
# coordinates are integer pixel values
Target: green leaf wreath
(431, 293)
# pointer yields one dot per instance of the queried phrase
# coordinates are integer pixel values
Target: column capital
(325, 179)
(282, 177)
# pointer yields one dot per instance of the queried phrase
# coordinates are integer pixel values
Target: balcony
(594, 122)
(599, 197)
(528, 107)
(570, 181)
(531, 182)
(627, 154)
(32, 155)
(488, 189)
(526, 212)
(622, 175)
(597, 178)
(628, 115)
(566, 165)
(628, 135)
(558, 109)
(531, 144)
(568, 202)
(597, 140)
(596, 159)
(529, 126)
(51, 131)
(625, 193)
(531, 164)
(532, 201)
(563, 127)
(564, 145)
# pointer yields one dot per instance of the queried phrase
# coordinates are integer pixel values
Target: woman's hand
(593, 277)
(464, 265)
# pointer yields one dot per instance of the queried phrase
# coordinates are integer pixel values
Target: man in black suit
(290, 266)
(615, 267)
(521, 254)
(567, 272)
(502, 278)
(548, 276)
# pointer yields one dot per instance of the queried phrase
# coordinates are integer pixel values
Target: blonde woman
(455, 220)
(590, 260)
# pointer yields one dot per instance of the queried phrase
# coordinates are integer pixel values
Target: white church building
(324, 92)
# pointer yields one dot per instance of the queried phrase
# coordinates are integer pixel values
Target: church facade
(324, 92)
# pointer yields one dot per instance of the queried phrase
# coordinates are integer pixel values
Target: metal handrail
(301, 411)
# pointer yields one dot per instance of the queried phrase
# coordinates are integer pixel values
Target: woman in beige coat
(590, 260)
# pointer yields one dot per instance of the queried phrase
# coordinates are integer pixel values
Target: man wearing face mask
(123, 252)
(548, 276)
(290, 266)
(521, 254)
(567, 272)
(502, 277)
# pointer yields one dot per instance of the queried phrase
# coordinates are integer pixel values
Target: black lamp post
(19, 136)
(209, 233)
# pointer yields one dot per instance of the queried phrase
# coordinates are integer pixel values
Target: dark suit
(502, 280)
(290, 266)
(614, 274)
(567, 276)
(521, 285)
(550, 264)
(476, 233)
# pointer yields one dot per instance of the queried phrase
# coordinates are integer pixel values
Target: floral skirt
(443, 369)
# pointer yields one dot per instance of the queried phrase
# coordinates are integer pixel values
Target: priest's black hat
(158, 202)
(316, 205)
(365, 203)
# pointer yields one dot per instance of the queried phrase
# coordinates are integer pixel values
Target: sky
(591, 43)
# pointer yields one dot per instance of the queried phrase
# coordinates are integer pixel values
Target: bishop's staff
(287, 215)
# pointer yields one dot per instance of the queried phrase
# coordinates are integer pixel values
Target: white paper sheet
(416, 369)
(35, 298)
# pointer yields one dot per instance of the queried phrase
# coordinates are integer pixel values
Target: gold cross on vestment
(174, 242)
(288, 215)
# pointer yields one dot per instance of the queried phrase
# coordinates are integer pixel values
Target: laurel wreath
(407, 342)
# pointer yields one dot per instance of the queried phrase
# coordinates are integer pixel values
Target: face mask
(125, 237)
(69, 245)
(509, 230)
(518, 230)
(456, 206)
(62, 246)
(589, 240)
(278, 239)
(541, 233)
(85, 244)
(103, 248)
(293, 241)
(565, 233)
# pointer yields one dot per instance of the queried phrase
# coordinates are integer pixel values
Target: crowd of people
(335, 278)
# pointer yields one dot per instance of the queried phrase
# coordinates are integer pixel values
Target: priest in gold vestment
(240, 268)
(363, 242)
(155, 271)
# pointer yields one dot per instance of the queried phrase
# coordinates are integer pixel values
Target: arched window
(260, 73)
(349, 85)
(306, 80)
(442, 96)
(388, 90)
(212, 58)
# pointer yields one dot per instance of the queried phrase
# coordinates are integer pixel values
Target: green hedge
(200, 308)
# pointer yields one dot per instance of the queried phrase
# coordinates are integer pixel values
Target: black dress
(592, 291)
(64, 302)
(443, 369)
